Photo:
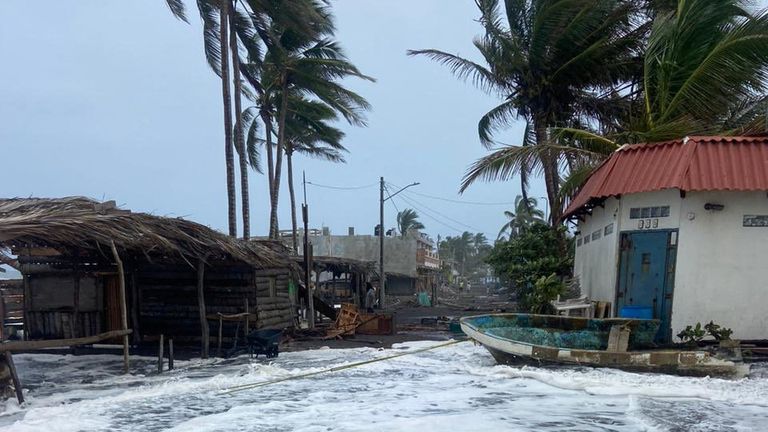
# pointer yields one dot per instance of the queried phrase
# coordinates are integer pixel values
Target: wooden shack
(78, 255)
(341, 280)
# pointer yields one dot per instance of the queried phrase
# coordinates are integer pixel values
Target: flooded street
(455, 388)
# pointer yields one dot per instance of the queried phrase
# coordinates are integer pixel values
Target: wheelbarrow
(265, 342)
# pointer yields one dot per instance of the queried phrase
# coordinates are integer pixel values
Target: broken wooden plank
(58, 343)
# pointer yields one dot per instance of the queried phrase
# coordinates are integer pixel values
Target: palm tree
(462, 247)
(550, 63)
(408, 220)
(478, 241)
(239, 140)
(258, 25)
(229, 155)
(308, 133)
(218, 58)
(314, 70)
(704, 73)
(526, 212)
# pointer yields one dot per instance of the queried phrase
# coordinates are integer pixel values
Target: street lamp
(382, 278)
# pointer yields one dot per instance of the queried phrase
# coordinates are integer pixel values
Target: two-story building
(411, 262)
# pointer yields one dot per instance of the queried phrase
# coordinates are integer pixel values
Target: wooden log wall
(12, 293)
(168, 300)
(63, 305)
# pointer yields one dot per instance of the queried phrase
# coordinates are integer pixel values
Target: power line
(475, 229)
(432, 217)
(430, 214)
(390, 199)
(342, 187)
(455, 201)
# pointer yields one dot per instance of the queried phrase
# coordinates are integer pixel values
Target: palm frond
(463, 69)
(494, 120)
(177, 9)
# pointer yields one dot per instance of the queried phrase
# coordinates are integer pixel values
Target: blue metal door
(646, 274)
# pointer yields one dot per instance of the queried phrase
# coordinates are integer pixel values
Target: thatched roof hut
(78, 255)
(82, 223)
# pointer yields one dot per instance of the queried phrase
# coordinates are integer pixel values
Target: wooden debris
(618, 338)
(55, 343)
(347, 320)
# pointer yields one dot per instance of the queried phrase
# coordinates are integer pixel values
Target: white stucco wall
(721, 271)
(722, 266)
(595, 262)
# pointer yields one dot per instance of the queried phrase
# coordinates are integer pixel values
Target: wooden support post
(170, 353)
(75, 323)
(316, 316)
(218, 339)
(123, 306)
(14, 377)
(247, 321)
(27, 307)
(135, 309)
(201, 307)
(160, 355)
(3, 336)
(333, 288)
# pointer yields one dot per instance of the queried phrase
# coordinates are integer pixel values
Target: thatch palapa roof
(83, 223)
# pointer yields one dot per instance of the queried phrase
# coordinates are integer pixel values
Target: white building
(680, 227)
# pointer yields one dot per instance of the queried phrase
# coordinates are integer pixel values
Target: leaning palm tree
(549, 63)
(216, 42)
(256, 25)
(525, 213)
(408, 220)
(308, 133)
(314, 70)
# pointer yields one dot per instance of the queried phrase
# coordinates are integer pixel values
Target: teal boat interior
(563, 331)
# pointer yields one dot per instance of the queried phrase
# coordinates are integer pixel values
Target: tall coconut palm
(255, 24)
(239, 139)
(525, 213)
(408, 220)
(549, 62)
(216, 36)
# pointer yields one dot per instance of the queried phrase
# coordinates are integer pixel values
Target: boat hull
(679, 362)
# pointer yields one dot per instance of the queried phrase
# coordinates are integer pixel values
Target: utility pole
(382, 277)
(382, 297)
(308, 259)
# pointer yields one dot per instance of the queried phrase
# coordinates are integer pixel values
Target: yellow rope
(333, 369)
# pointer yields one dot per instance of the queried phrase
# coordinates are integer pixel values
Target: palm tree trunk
(294, 229)
(551, 177)
(267, 120)
(239, 138)
(273, 222)
(228, 151)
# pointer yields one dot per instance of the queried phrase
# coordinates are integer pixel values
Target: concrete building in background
(681, 229)
(410, 261)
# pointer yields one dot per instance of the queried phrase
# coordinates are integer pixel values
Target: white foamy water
(456, 388)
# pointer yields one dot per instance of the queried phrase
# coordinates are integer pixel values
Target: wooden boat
(551, 339)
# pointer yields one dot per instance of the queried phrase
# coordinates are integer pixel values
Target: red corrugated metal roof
(690, 164)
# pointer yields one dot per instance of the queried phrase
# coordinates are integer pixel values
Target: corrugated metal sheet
(691, 164)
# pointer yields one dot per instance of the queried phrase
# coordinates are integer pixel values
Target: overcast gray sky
(114, 100)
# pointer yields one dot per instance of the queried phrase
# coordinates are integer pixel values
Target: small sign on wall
(647, 223)
(755, 221)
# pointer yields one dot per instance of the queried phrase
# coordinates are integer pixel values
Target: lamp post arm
(402, 189)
